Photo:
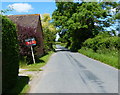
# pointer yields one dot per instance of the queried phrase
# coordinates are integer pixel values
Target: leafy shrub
(25, 33)
(102, 42)
(49, 33)
(10, 56)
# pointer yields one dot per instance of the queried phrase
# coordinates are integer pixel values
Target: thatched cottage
(29, 26)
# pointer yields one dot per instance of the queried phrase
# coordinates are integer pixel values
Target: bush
(102, 42)
(10, 57)
(25, 32)
(103, 48)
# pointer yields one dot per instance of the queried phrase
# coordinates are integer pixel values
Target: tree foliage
(102, 42)
(117, 16)
(82, 20)
(49, 32)
(10, 54)
(25, 33)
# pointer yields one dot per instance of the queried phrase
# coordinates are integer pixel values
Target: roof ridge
(30, 20)
(26, 15)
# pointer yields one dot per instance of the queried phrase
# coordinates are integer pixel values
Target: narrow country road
(68, 72)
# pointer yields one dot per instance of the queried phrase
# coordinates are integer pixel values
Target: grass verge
(37, 66)
(107, 58)
(22, 85)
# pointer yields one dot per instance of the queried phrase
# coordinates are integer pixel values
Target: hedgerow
(102, 42)
(103, 48)
(10, 54)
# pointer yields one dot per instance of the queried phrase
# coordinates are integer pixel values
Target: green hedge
(102, 42)
(10, 57)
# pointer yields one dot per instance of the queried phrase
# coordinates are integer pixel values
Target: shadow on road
(21, 83)
(39, 61)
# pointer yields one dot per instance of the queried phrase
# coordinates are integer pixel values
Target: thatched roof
(30, 20)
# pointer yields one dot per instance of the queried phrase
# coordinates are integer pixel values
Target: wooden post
(33, 55)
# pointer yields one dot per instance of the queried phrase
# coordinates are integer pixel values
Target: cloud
(21, 7)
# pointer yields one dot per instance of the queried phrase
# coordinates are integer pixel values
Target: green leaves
(117, 16)
(83, 20)
(103, 41)
(10, 54)
(49, 32)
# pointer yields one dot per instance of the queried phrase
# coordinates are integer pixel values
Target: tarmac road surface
(68, 72)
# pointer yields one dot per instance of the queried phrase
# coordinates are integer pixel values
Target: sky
(20, 8)
(29, 7)
(25, 7)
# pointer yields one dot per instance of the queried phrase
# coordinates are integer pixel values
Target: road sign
(30, 42)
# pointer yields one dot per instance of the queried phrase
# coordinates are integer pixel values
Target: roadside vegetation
(22, 85)
(83, 29)
(103, 47)
(10, 55)
(49, 32)
(16, 58)
(82, 21)
(110, 58)
(36, 67)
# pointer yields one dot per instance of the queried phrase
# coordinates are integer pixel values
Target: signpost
(33, 55)
(31, 42)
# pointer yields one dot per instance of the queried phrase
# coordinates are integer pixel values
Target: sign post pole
(33, 55)
(31, 42)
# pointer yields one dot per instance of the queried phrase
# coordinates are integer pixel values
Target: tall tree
(82, 21)
(49, 32)
(61, 15)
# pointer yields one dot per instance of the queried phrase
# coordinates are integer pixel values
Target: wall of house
(32, 20)
(40, 51)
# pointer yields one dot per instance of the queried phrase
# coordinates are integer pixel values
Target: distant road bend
(68, 72)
